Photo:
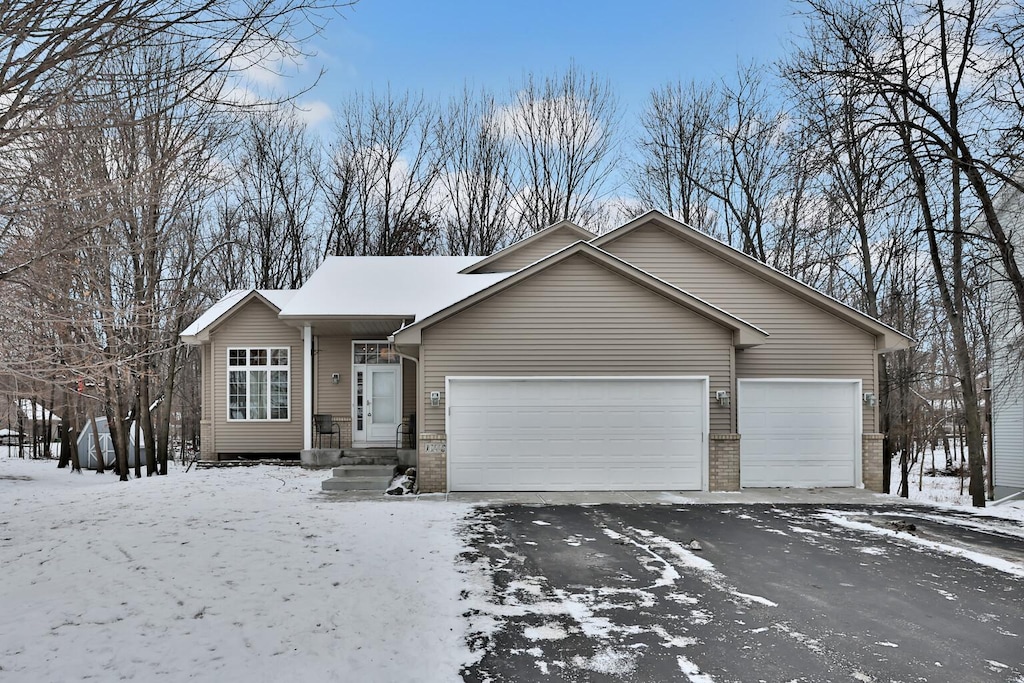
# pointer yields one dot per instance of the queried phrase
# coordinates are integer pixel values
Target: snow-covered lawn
(946, 492)
(246, 574)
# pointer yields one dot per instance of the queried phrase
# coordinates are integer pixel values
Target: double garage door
(576, 434)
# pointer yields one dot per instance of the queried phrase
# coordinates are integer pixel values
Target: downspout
(419, 397)
(307, 387)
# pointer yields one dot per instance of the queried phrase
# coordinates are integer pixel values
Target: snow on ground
(223, 574)
(945, 491)
(252, 574)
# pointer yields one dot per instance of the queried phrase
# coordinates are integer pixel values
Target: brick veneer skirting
(432, 463)
(345, 425)
(206, 451)
(724, 462)
(871, 461)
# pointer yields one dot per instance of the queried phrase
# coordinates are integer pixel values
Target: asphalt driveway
(712, 593)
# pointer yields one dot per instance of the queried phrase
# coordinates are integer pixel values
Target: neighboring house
(29, 417)
(652, 357)
(1007, 360)
(11, 437)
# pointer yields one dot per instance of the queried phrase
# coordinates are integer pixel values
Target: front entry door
(382, 406)
(378, 403)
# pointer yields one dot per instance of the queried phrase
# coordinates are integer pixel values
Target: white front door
(378, 403)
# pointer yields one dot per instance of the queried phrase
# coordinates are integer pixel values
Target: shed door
(576, 434)
(799, 433)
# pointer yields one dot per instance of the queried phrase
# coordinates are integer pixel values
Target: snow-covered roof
(32, 410)
(278, 297)
(407, 287)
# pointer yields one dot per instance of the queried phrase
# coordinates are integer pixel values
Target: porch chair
(325, 424)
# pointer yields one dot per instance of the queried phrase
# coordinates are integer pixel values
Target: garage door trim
(705, 409)
(858, 417)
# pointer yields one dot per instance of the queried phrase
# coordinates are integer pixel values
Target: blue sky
(438, 46)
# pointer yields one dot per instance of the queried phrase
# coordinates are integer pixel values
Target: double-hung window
(258, 384)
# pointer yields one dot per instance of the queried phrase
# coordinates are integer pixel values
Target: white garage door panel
(799, 433)
(576, 434)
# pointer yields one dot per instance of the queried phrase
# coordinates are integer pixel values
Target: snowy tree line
(138, 188)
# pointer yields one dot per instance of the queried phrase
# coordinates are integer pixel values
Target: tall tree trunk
(101, 453)
(76, 464)
(138, 438)
(146, 418)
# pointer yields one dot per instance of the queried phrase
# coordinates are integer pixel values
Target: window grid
(258, 384)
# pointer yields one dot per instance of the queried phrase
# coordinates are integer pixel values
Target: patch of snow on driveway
(839, 518)
(608, 661)
(692, 671)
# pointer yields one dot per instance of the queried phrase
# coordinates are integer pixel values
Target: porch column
(307, 387)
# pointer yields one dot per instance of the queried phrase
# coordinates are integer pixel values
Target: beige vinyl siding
(575, 318)
(207, 382)
(333, 354)
(806, 341)
(256, 325)
(535, 251)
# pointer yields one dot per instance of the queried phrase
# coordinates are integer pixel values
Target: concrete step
(363, 452)
(356, 484)
(377, 460)
(364, 471)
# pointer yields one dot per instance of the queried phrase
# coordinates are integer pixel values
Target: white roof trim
(582, 233)
(199, 329)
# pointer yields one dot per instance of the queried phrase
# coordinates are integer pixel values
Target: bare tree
(564, 127)
(277, 194)
(751, 149)
(381, 185)
(55, 50)
(475, 183)
(929, 67)
(675, 149)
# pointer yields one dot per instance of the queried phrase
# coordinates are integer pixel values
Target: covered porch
(360, 392)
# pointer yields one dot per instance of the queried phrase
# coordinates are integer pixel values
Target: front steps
(322, 458)
(363, 469)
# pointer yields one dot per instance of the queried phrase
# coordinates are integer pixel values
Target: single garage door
(576, 434)
(799, 433)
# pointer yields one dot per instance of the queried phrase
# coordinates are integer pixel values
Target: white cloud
(312, 112)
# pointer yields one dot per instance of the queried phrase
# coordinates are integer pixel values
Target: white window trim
(247, 368)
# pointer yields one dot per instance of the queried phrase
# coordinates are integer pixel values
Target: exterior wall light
(869, 398)
(724, 399)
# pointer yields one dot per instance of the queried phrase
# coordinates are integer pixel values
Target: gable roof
(391, 287)
(561, 226)
(199, 330)
(744, 334)
(892, 338)
(33, 411)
